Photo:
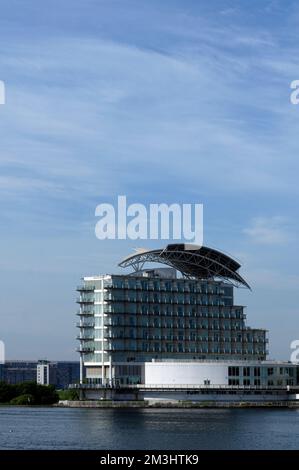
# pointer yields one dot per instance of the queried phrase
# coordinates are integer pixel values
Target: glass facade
(263, 375)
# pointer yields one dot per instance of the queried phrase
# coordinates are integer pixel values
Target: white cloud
(268, 230)
(148, 102)
(129, 105)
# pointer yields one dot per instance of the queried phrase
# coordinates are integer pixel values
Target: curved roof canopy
(192, 261)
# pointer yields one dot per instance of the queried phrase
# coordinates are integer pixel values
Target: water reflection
(52, 428)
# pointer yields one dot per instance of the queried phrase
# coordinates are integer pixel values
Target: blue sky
(173, 101)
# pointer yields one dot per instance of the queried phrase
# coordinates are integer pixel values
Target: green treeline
(28, 393)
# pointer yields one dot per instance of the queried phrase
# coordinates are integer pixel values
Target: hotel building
(182, 312)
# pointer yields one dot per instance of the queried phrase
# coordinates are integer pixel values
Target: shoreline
(173, 405)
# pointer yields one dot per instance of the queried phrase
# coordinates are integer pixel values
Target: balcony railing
(170, 301)
(259, 388)
(180, 290)
(176, 315)
(85, 325)
(86, 313)
(85, 338)
(85, 349)
(86, 288)
(82, 300)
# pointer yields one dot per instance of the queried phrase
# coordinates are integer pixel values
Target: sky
(174, 102)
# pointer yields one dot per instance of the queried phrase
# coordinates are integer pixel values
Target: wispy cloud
(161, 101)
(130, 104)
(268, 230)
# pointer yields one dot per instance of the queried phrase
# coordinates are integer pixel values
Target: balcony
(86, 313)
(86, 288)
(85, 337)
(82, 300)
(85, 349)
(85, 325)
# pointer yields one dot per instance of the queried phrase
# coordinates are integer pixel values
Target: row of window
(173, 311)
(174, 286)
(186, 326)
(145, 334)
(257, 382)
(171, 299)
(172, 323)
(182, 348)
(270, 371)
(158, 294)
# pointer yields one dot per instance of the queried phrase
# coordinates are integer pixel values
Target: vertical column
(103, 368)
(103, 331)
(81, 369)
(110, 370)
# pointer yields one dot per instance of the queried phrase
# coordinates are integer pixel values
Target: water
(65, 428)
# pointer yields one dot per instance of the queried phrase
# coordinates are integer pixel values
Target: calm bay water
(56, 428)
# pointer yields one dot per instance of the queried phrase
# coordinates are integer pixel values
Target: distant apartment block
(58, 373)
(43, 372)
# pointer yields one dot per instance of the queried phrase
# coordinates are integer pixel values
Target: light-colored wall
(174, 397)
(185, 374)
(42, 375)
